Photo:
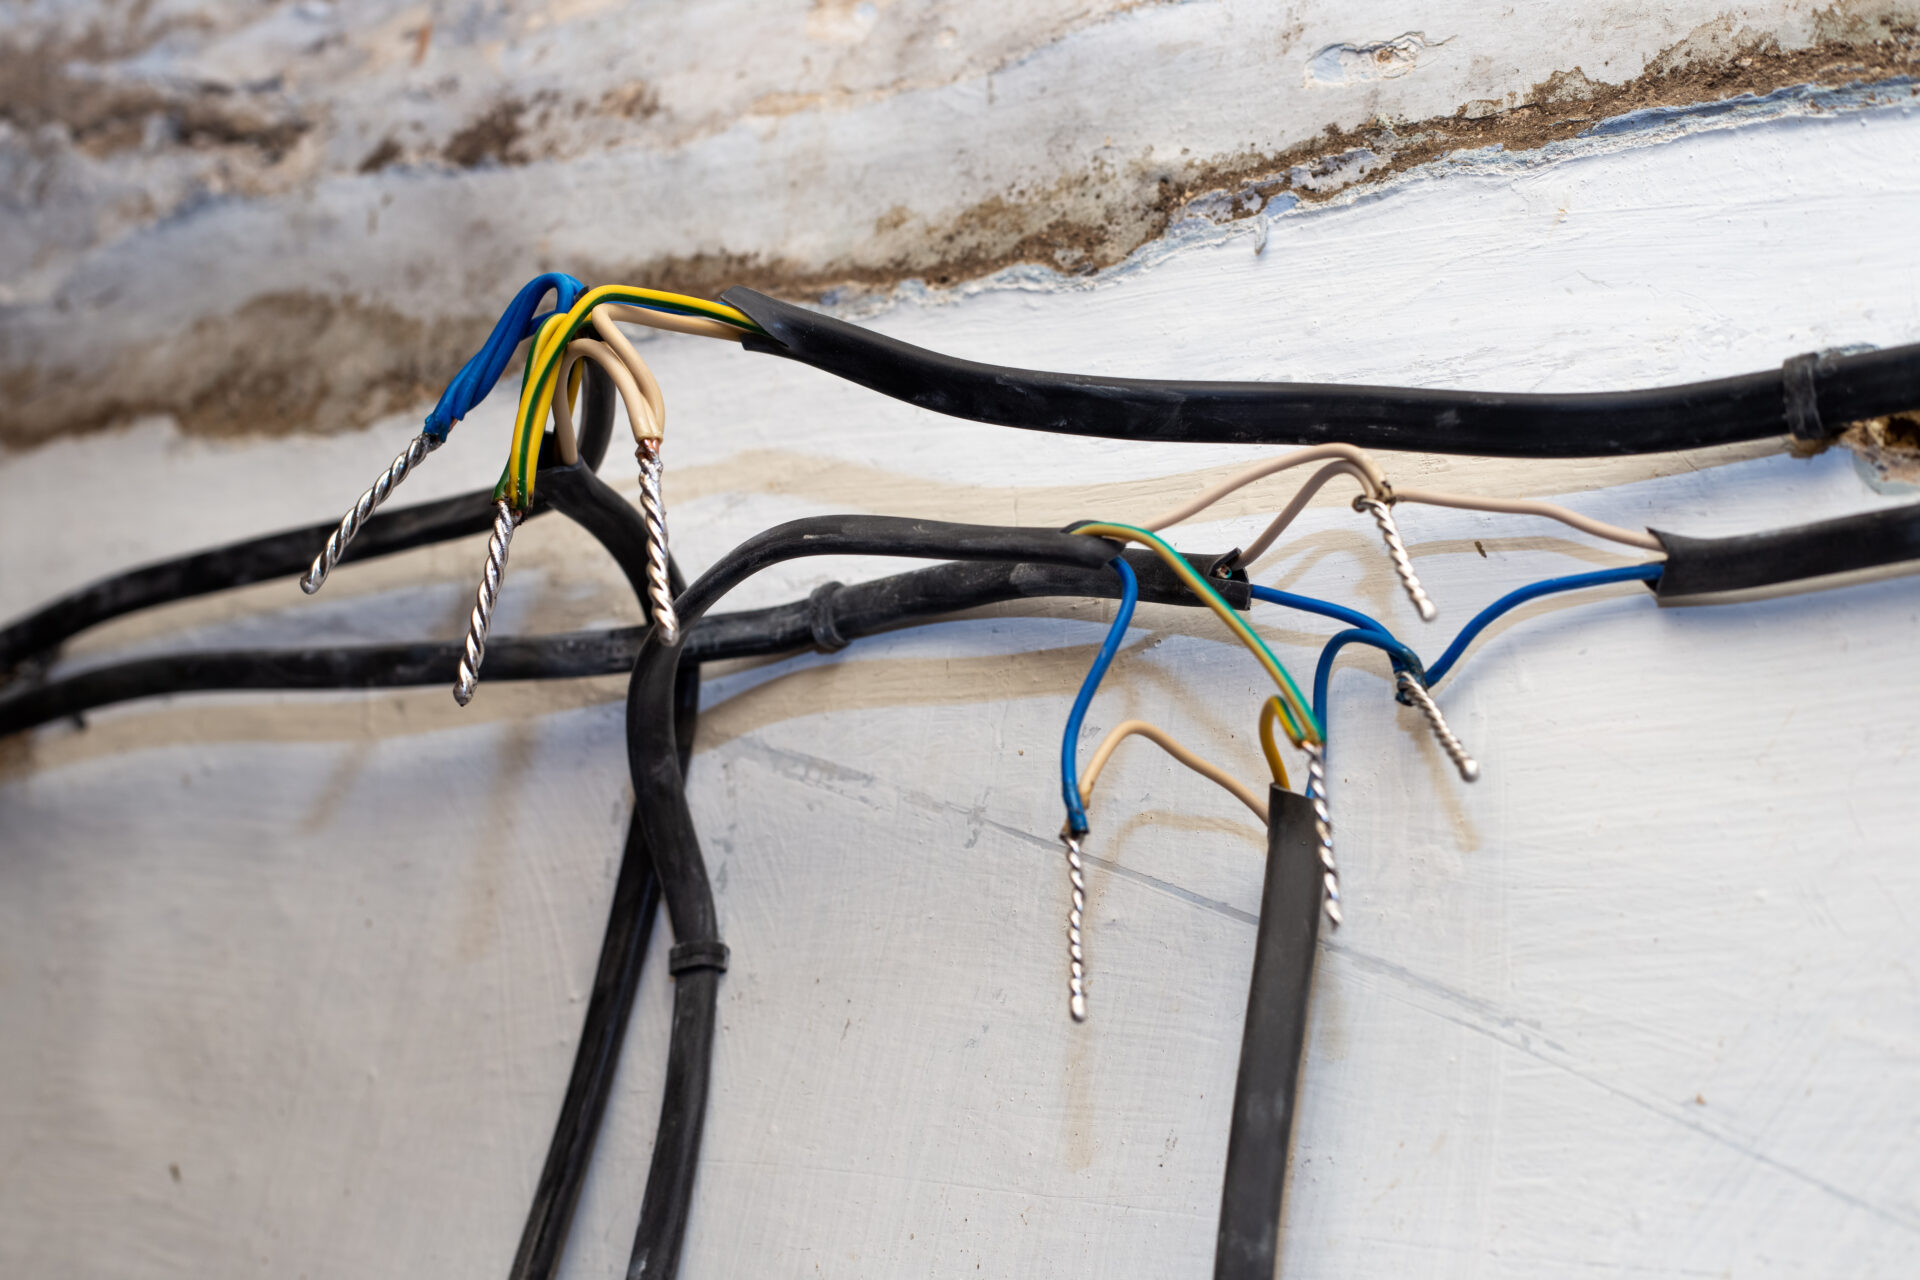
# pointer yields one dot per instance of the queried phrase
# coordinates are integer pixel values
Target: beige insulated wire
(639, 409)
(1312, 486)
(671, 321)
(605, 325)
(1529, 507)
(1160, 738)
(1362, 465)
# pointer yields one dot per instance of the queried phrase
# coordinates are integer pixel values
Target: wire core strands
(480, 621)
(1397, 551)
(1323, 830)
(410, 457)
(1412, 690)
(653, 509)
(1076, 915)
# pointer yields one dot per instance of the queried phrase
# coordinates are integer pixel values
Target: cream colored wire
(671, 321)
(1160, 738)
(1372, 480)
(604, 324)
(639, 409)
(1530, 507)
(1349, 460)
(1299, 503)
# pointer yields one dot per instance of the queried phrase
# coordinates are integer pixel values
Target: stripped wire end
(410, 457)
(653, 508)
(1413, 690)
(1323, 830)
(480, 621)
(1076, 958)
(1397, 551)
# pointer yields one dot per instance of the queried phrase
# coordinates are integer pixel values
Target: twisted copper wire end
(1416, 692)
(417, 448)
(1323, 829)
(1076, 958)
(481, 619)
(653, 509)
(1397, 552)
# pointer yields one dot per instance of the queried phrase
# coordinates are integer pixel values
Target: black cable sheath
(851, 611)
(581, 495)
(1852, 544)
(1492, 424)
(660, 800)
(1270, 1045)
(287, 554)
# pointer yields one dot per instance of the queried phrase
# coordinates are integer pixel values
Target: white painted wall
(291, 985)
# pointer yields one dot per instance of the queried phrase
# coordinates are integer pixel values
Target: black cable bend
(661, 803)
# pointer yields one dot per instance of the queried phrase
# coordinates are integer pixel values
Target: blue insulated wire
(1514, 599)
(1070, 743)
(1358, 635)
(477, 376)
(1325, 608)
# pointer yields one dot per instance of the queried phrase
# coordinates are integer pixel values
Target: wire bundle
(980, 564)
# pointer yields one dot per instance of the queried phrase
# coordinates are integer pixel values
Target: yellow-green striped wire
(1297, 716)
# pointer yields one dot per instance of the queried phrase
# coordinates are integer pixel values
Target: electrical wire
(640, 413)
(1356, 461)
(1810, 397)
(1297, 716)
(1529, 507)
(1165, 741)
(1276, 764)
(699, 956)
(1648, 573)
(537, 390)
(482, 370)
(1070, 790)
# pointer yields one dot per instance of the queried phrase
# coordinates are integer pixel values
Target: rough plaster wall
(290, 985)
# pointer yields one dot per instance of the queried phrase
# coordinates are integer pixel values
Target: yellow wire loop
(1269, 710)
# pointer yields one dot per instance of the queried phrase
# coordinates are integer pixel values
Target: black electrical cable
(822, 618)
(1810, 397)
(579, 494)
(1276, 1030)
(660, 799)
(1848, 546)
(287, 554)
